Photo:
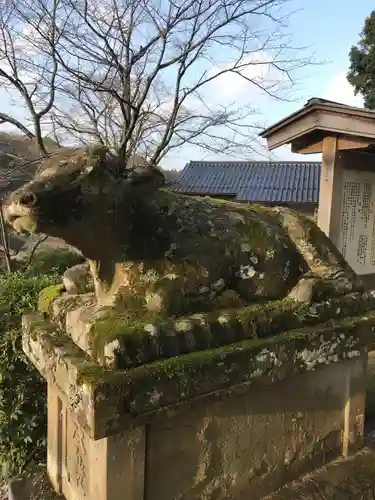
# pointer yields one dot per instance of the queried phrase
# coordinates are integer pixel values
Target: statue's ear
(144, 179)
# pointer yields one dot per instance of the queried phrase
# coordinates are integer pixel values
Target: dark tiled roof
(257, 181)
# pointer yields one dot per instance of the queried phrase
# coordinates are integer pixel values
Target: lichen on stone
(297, 351)
(106, 398)
(78, 279)
(122, 340)
(171, 274)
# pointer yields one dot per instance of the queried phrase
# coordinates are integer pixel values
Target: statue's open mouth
(22, 222)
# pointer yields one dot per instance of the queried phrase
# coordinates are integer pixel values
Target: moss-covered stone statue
(171, 255)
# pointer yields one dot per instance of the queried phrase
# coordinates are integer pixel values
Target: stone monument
(208, 349)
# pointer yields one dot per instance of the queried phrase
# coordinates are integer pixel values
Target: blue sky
(329, 28)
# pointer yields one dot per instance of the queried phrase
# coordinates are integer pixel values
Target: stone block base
(242, 446)
(80, 467)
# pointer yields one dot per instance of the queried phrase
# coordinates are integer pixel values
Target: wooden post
(329, 208)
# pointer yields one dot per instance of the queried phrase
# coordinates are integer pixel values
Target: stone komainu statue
(151, 249)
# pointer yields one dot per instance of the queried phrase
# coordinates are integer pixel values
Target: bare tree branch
(20, 48)
(151, 60)
(4, 118)
(145, 76)
(36, 245)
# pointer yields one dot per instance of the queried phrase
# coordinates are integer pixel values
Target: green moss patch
(164, 382)
(23, 391)
(124, 340)
(47, 296)
(129, 394)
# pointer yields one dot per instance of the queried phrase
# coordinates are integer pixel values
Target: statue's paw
(304, 291)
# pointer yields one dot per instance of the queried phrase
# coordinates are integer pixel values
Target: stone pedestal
(81, 467)
(236, 422)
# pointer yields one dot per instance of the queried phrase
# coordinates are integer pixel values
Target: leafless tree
(28, 64)
(142, 75)
(84, 116)
(28, 74)
(152, 64)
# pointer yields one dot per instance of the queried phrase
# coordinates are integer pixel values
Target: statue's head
(75, 192)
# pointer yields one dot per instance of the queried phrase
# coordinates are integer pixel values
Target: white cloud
(340, 90)
(231, 84)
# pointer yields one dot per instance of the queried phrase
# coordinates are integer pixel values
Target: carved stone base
(80, 467)
(235, 422)
(250, 443)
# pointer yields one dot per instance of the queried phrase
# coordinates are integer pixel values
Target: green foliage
(22, 389)
(55, 261)
(362, 63)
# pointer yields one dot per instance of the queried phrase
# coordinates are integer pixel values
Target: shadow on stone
(32, 485)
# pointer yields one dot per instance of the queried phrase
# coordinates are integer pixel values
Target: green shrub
(48, 261)
(22, 389)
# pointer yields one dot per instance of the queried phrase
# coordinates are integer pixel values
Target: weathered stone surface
(78, 280)
(34, 484)
(245, 446)
(158, 253)
(239, 442)
(105, 400)
(121, 340)
(349, 479)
